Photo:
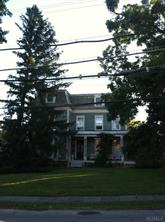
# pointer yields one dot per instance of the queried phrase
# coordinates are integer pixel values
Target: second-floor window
(80, 122)
(99, 122)
(116, 124)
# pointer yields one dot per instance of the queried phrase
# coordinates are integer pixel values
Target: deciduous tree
(143, 80)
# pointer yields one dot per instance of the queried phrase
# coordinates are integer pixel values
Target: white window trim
(95, 98)
(83, 117)
(47, 101)
(102, 123)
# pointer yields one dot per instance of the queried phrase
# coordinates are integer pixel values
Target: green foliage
(142, 146)
(130, 140)
(144, 80)
(145, 24)
(3, 12)
(104, 149)
(32, 128)
(112, 4)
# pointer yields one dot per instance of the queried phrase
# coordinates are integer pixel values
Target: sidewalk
(84, 199)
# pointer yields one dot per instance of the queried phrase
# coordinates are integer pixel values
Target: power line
(74, 42)
(94, 103)
(82, 61)
(102, 74)
(61, 4)
(81, 7)
(64, 5)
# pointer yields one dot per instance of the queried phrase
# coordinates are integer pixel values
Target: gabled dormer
(50, 98)
(98, 100)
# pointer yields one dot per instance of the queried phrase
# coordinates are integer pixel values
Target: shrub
(104, 149)
(142, 145)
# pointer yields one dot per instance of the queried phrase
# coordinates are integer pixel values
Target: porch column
(85, 148)
(121, 148)
(69, 147)
(121, 141)
(68, 150)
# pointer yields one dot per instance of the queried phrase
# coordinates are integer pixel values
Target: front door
(80, 148)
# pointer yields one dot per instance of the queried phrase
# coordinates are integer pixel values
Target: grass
(88, 181)
(85, 206)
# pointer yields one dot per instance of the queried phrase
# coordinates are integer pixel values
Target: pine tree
(3, 12)
(33, 125)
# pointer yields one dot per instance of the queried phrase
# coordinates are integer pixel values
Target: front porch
(83, 149)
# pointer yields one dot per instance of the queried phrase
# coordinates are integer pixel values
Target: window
(99, 122)
(116, 124)
(50, 98)
(98, 99)
(80, 122)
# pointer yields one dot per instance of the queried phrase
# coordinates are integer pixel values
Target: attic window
(98, 100)
(50, 98)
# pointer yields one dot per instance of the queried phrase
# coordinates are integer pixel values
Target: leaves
(112, 4)
(146, 87)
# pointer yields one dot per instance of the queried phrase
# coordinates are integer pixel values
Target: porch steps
(76, 163)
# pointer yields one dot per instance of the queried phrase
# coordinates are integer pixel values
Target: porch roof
(96, 133)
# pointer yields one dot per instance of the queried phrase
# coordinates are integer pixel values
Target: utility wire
(80, 7)
(93, 103)
(67, 6)
(74, 42)
(82, 61)
(102, 74)
(61, 4)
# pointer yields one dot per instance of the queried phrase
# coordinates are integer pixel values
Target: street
(82, 216)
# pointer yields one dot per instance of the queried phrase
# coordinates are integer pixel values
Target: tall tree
(39, 59)
(3, 12)
(143, 80)
(33, 125)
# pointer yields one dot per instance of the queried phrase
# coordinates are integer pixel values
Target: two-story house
(89, 117)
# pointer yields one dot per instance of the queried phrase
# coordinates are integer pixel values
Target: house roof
(86, 99)
(63, 97)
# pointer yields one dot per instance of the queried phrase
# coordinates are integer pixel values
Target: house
(89, 117)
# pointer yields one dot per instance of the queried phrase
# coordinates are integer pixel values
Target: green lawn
(88, 181)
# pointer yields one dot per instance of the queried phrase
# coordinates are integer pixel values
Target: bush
(142, 145)
(104, 148)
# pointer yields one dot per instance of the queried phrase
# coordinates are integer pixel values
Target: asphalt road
(82, 216)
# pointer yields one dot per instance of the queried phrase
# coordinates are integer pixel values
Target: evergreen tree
(141, 25)
(3, 12)
(33, 126)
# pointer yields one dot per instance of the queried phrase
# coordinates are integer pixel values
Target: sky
(72, 20)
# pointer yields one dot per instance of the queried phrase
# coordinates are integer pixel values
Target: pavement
(84, 199)
(82, 216)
